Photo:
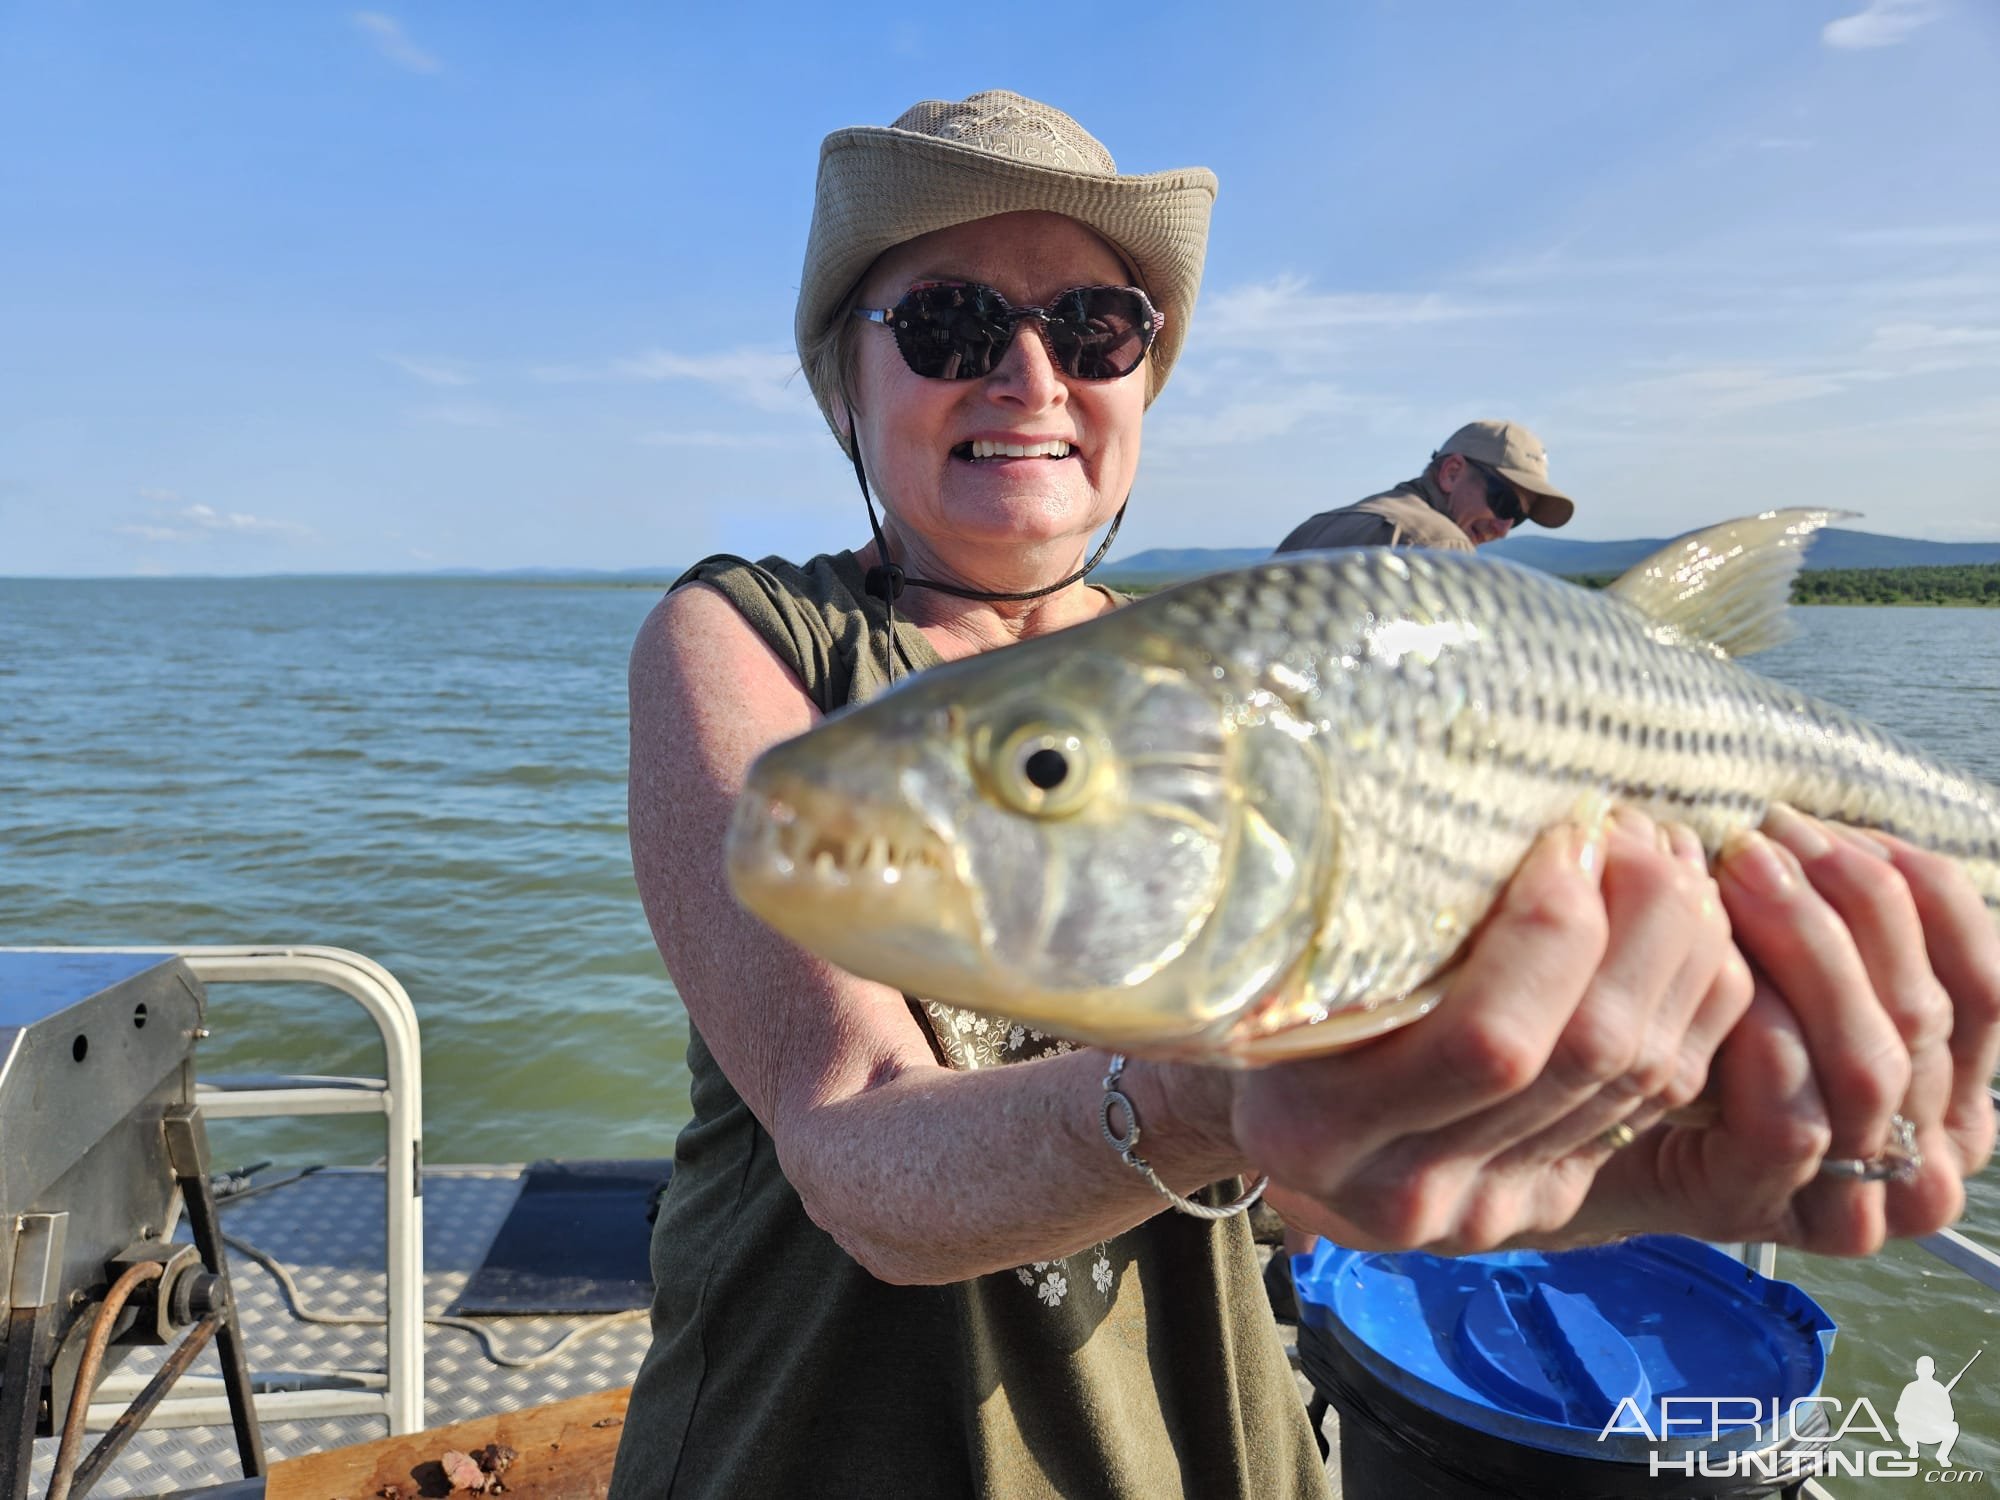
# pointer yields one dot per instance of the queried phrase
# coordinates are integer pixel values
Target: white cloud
(761, 377)
(1257, 417)
(1974, 425)
(1561, 264)
(1884, 23)
(207, 518)
(1898, 338)
(459, 414)
(1925, 236)
(1285, 306)
(1709, 392)
(432, 371)
(193, 521)
(709, 439)
(393, 43)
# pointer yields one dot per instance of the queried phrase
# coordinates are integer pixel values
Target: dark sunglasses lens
(1099, 332)
(1501, 499)
(953, 332)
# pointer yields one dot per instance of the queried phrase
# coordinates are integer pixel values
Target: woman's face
(917, 435)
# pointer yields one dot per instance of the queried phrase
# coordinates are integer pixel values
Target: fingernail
(1685, 843)
(1633, 824)
(1754, 861)
(1796, 831)
(1862, 840)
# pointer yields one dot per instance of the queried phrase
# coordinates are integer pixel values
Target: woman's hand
(1595, 995)
(1878, 994)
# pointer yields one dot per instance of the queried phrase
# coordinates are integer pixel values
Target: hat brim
(1546, 507)
(879, 187)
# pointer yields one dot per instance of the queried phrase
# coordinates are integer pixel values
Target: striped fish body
(1463, 705)
(1258, 815)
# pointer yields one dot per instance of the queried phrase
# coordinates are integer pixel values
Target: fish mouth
(871, 889)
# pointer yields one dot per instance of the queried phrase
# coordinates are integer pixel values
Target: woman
(889, 1266)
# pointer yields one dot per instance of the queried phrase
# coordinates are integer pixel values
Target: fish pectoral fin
(1726, 588)
(1334, 1033)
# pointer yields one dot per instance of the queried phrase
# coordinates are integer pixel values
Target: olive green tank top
(1145, 1366)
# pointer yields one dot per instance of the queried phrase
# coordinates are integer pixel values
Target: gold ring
(1618, 1137)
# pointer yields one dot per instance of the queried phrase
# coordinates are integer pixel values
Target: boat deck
(327, 1230)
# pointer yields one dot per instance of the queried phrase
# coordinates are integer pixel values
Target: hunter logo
(1924, 1412)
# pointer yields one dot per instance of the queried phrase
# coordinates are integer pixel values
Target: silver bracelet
(1127, 1146)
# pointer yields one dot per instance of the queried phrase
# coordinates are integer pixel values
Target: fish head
(1116, 847)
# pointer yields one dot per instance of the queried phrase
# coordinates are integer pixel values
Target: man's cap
(1515, 453)
(944, 163)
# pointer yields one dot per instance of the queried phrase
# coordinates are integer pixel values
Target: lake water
(432, 772)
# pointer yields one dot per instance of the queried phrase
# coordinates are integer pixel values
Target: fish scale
(1677, 732)
(1365, 745)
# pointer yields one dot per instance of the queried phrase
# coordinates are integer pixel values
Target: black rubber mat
(575, 1242)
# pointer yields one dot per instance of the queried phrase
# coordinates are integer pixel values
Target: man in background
(1485, 479)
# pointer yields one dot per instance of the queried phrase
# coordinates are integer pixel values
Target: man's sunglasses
(1501, 497)
(959, 330)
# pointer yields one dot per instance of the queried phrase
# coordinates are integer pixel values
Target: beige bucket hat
(1512, 451)
(945, 163)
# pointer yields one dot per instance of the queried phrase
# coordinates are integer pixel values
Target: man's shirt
(1412, 514)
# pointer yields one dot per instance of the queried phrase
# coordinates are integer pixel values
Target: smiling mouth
(982, 451)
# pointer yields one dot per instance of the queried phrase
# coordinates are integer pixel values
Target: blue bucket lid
(1545, 1349)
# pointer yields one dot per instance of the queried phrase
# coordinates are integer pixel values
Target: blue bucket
(1605, 1371)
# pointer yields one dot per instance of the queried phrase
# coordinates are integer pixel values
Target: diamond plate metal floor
(327, 1230)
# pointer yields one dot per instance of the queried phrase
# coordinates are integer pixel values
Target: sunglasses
(1501, 497)
(959, 330)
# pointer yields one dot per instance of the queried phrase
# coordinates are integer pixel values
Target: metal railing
(398, 1393)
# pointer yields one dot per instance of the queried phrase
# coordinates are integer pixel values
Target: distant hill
(1182, 562)
(1832, 548)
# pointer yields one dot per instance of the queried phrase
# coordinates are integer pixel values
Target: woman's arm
(920, 1172)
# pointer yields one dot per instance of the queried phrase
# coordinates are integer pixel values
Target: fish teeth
(796, 851)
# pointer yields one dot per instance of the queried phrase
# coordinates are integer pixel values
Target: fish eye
(1044, 770)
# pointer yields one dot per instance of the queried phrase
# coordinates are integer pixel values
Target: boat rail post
(379, 993)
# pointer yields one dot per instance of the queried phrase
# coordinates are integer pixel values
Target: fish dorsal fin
(1726, 588)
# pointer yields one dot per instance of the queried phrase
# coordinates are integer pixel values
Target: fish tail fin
(1726, 588)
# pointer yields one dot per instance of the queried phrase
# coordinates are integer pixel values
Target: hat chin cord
(887, 580)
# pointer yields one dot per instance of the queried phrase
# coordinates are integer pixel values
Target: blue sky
(289, 288)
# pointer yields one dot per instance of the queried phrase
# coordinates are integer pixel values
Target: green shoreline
(1952, 586)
